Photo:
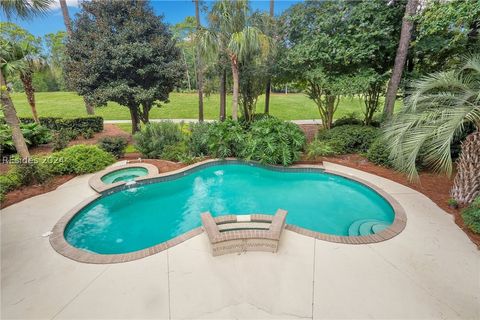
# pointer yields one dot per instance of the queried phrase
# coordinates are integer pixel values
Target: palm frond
(24, 8)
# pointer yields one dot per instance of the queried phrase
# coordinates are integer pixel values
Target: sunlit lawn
(292, 106)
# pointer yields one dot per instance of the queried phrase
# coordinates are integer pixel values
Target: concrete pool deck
(430, 270)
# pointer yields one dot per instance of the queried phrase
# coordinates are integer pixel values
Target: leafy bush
(198, 139)
(349, 138)
(347, 120)
(274, 141)
(379, 153)
(178, 152)
(33, 133)
(8, 182)
(318, 148)
(114, 145)
(60, 141)
(32, 172)
(226, 139)
(88, 134)
(94, 123)
(471, 215)
(79, 159)
(154, 137)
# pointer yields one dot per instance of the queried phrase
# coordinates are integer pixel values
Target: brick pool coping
(99, 186)
(59, 243)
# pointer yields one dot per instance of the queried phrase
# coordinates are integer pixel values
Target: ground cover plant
(471, 216)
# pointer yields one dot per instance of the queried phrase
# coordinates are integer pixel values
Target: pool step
(365, 227)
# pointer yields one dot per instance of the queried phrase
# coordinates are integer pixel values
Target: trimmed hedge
(94, 123)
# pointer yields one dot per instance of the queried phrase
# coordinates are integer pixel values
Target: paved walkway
(430, 270)
(307, 121)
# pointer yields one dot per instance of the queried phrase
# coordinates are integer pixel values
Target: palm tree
(440, 108)
(11, 62)
(233, 37)
(33, 62)
(199, 66)
(24, 8)
(400, 58)
(268, 88)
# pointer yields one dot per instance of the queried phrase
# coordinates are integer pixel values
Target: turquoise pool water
(145, 215)
(127, 174)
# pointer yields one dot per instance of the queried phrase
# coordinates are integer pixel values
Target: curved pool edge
(96, 183)
(60, 244)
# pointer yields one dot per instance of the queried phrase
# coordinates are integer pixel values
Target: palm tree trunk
(401, 57)
(30, 92)
(236, 81)
(11, 119)
(269, 80)
(223, 95)
(199, 66)
(66, 17)
(466, 185)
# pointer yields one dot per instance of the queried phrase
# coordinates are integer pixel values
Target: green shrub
(198, 139)
(347, 120)
(179, 153)
(471, 215)
(154, 137)
(8, 182)
(79, 124)
(349, 138)
(34, 171)
(60, 141)
(88, 134)
(274, 141)
(226, 139)
(114, 145)
(318, 148)
(33, 133)
(379, 153)
(79, 159)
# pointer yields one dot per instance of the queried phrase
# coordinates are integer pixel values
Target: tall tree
(235, 37)
(110, 60)
(268, 88)
(11, 61)
(23, 9)
(199, 65)
(441, 107)
(68, 26)
(401, 57)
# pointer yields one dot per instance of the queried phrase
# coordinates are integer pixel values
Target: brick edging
(59, 243)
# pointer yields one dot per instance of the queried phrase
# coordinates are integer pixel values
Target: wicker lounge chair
(240, 233)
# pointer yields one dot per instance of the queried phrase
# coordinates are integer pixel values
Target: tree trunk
(89, 106)
(135, 119)
(11, 119)
(30, 92)
(236, 81)
(66, 17)
(269, 80)
(199, 66)
(223, 95)
(267, 96)
(401, 57)
(466, 185)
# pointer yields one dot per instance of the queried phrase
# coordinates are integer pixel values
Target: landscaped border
(58, 242)
(99, 186)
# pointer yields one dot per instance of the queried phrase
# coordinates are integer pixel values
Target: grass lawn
(292, 106)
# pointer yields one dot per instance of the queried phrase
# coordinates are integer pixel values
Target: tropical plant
(234, 36)
(24, 8)
(199, 64)
(226, 139)
(33, 133)
(136, 67)
(154, 137)
(198, 139)
(440, 107)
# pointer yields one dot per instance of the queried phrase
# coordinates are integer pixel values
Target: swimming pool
(144, 215)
